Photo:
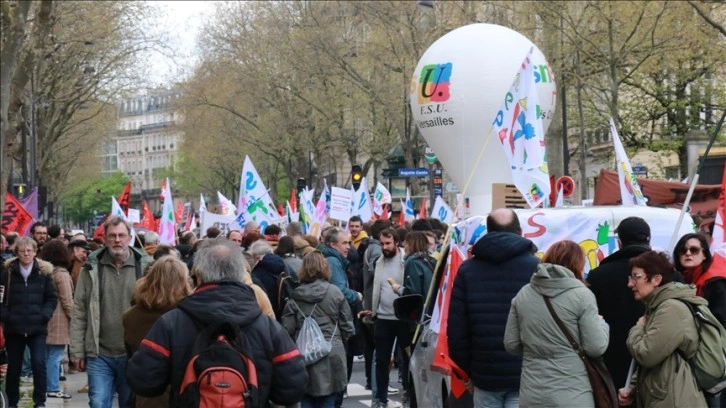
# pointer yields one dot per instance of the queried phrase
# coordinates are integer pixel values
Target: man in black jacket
(502, 263)
(615, 301)
(220, 298)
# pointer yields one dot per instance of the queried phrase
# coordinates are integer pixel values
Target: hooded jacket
(162, 357)
(664, 378)
(31, 304)
(266, 272)
(331, 310)
(615, 302)
(483, 290)
(553, 375)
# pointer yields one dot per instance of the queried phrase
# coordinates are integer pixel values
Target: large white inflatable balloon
(458, 87)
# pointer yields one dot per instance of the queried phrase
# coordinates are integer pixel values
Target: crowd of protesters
(127, 311)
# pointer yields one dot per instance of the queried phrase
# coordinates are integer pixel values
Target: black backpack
(285, 285)
(219, 373)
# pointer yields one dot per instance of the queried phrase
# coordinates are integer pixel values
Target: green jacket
(86, 319)
(418, 271)
(664, 378)
(553, 375)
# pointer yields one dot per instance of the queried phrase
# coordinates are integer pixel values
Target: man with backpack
(219, 329)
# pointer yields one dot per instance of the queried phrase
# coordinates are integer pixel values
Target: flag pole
(696, 175)
(447, 237)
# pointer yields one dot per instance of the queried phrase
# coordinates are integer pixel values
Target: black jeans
(385, 332)
(15, 347)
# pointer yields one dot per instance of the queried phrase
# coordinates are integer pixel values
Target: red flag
(163, 190)
(293, 201)
(718, 234)
(124, 200)
(148, 217)
(386, 214)
(422, 211)
(281, 209)
(15, 217)
(402, 219)
(179, 213)
(442, 362)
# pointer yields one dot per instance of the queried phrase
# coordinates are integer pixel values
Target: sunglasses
(693, 250)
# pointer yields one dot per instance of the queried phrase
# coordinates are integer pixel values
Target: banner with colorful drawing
(592, 228)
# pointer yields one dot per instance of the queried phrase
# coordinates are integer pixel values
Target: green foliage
(93, 196)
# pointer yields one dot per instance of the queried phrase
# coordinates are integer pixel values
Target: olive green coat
(664, 378)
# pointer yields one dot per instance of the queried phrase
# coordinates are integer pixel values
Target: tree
(93, 196)
(23, 26)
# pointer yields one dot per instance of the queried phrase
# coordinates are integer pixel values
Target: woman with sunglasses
(663, 338)
(692, 258)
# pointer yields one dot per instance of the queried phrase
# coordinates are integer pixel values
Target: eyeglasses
(693, 250)
(26, 251)
(120, 237)
(635, 278)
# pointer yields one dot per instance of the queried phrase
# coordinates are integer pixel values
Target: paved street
(358, 396)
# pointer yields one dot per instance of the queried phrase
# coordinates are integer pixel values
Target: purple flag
(30, 203)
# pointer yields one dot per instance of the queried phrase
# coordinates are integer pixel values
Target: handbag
(603, 388)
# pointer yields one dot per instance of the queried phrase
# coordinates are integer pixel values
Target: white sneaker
(392, 390)
(393, 404)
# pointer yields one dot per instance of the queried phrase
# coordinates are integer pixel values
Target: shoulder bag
(603, 388)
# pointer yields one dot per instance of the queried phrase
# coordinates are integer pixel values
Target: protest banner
(340, 199)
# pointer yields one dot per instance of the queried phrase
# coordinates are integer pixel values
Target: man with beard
(105, 288)
(386, 328)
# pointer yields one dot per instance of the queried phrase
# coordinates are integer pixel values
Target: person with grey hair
(106, 286)
(151, 242)
(335, 251)
(30, 298)
(221, 299)
(267, 268)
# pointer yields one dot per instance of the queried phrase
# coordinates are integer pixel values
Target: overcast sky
(181, 20)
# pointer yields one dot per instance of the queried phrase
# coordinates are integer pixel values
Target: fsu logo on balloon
(434, 83)
(433, 89)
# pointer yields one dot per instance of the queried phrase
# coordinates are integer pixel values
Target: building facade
(145, 143)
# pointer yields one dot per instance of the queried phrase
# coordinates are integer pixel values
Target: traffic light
(356, 175)
(300, 185)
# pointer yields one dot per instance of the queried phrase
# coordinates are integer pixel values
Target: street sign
(420, 172)
(451, 187)
(640, 171)
(429, 155)
(566, 184)
(438, 191)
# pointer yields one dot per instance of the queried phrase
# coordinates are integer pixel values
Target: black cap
(633, 230)
(79, 243)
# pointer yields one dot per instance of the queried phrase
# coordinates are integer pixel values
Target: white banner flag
(442, 211)
(630, 193)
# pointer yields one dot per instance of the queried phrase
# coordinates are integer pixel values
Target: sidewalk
(73, 383)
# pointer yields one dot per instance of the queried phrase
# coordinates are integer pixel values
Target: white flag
(202, 204)
(409, 213)
(362, 202)
(254, 198)
(630, 193)
(560, 199)
(442, 211)
(380, 197)
(167, 223)
(228, 208)
(521, 134)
